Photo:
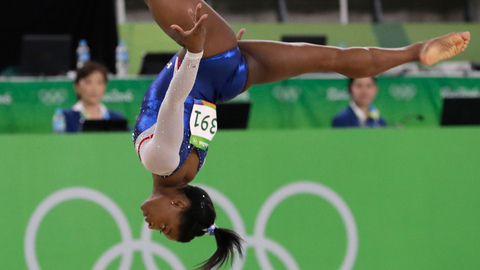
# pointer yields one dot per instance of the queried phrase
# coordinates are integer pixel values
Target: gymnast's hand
(192, 39)
(240, 34)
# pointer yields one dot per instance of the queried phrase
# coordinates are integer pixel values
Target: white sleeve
(160, 155)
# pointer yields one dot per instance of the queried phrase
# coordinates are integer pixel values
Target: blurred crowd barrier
(28, 105)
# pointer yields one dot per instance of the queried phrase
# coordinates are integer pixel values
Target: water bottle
(121, 56)
(59, 125)
(83, 53)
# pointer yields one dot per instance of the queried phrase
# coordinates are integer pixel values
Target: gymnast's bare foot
(444, 47)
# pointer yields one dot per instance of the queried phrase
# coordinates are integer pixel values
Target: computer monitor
(233, 115)
(460, 112)
(153, 63)
(317, 40)
(105, 125)
(46, 55)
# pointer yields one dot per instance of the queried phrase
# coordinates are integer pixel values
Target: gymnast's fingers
(240, 33)
(178, 29)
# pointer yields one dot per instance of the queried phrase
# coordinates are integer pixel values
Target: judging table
(27, 104)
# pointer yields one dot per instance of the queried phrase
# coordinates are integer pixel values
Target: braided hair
(197, 218)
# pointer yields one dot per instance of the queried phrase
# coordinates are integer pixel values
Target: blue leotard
(220, 78)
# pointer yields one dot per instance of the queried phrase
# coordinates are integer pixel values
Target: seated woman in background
(90, 84)
(361, 112)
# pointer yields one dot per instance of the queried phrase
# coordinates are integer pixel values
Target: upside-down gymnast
(177, 118)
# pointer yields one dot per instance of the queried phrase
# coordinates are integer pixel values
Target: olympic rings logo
(406, 91)
(287, 93)
(148, 248)
(53, 96)
(6, 98)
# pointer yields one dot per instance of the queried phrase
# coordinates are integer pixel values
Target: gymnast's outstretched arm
(160, 154)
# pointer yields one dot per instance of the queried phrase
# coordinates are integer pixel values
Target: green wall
(413, 196)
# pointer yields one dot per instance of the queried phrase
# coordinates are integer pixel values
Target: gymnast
(177, 118)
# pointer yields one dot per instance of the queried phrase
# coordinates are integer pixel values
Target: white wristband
(193, 56)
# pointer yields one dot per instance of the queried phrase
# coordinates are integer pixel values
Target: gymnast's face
(163, 214)
(91, 88)
(364, 91)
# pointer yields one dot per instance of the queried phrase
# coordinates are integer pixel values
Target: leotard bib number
(203, 123)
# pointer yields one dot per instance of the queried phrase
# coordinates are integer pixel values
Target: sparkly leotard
(220, 78)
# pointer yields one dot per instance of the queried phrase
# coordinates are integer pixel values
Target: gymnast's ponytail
(227, 242)
(197, 220)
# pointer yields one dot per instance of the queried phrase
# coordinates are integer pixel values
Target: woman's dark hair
(88, 69)
(199, 216)
(351, 80)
